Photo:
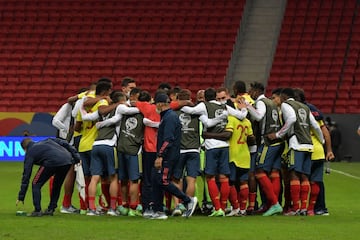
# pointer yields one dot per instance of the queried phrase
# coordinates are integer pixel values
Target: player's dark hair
(299, 95)
(239, 87)
(276, 91)
(159, 91)
(135, 91)
(210, 94)
(165, 86)
(144, 96)
(257, 86)
(289, 92)
(222, 89)
(184, 94)
(82, 90)
(102, 87)
(104, 79)
(126, 81)
(116, 96)
(175, 90)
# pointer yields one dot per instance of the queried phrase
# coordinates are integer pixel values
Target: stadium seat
(319, 36)
(48, 45)
(53, 45)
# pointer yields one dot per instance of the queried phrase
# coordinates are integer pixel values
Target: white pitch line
(345, 174)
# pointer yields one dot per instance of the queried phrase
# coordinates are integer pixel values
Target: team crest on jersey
(131, 123)
(185, 120)
(218, 112)
(302, 116)
(274, 115)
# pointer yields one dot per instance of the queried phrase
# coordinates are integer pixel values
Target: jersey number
(243, 133)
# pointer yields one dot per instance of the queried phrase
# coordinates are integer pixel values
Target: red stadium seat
(47, 48)
(318, 32)
(60, 52)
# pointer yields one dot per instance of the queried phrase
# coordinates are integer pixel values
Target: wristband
(253, 149)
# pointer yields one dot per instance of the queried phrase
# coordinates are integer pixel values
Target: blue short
(238, 174)
(85, 162)
(129, 167)
(217, 161)
(188, 164)
(317, 171)
(269, 157)
(103, 160)
(300, 161)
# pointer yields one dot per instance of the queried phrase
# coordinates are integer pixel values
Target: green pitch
(342, 196)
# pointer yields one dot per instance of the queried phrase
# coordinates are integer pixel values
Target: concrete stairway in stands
(262, 23)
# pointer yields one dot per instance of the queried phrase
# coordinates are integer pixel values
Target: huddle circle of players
(234, 144)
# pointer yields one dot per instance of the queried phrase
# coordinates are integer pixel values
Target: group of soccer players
(232, 143)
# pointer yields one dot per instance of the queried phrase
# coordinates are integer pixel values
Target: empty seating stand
(47, 45)
(318, 50)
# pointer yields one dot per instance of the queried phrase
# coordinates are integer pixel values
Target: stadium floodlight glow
(11, 150)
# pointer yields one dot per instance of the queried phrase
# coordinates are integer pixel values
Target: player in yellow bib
(89, 131)
(239, 151)
(239, 158)
(236, 132)
(241, 95)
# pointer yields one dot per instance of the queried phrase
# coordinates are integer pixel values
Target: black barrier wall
(348, 125)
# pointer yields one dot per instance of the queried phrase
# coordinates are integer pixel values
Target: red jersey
(150, 134)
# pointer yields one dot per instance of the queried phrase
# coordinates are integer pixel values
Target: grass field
(342, 196)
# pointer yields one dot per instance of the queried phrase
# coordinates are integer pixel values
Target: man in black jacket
(55, 157)
(168, 153)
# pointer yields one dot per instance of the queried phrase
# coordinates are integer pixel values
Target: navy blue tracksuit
(168, 147)
(55, 157)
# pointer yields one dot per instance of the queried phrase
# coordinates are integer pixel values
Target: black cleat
(36, 214)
